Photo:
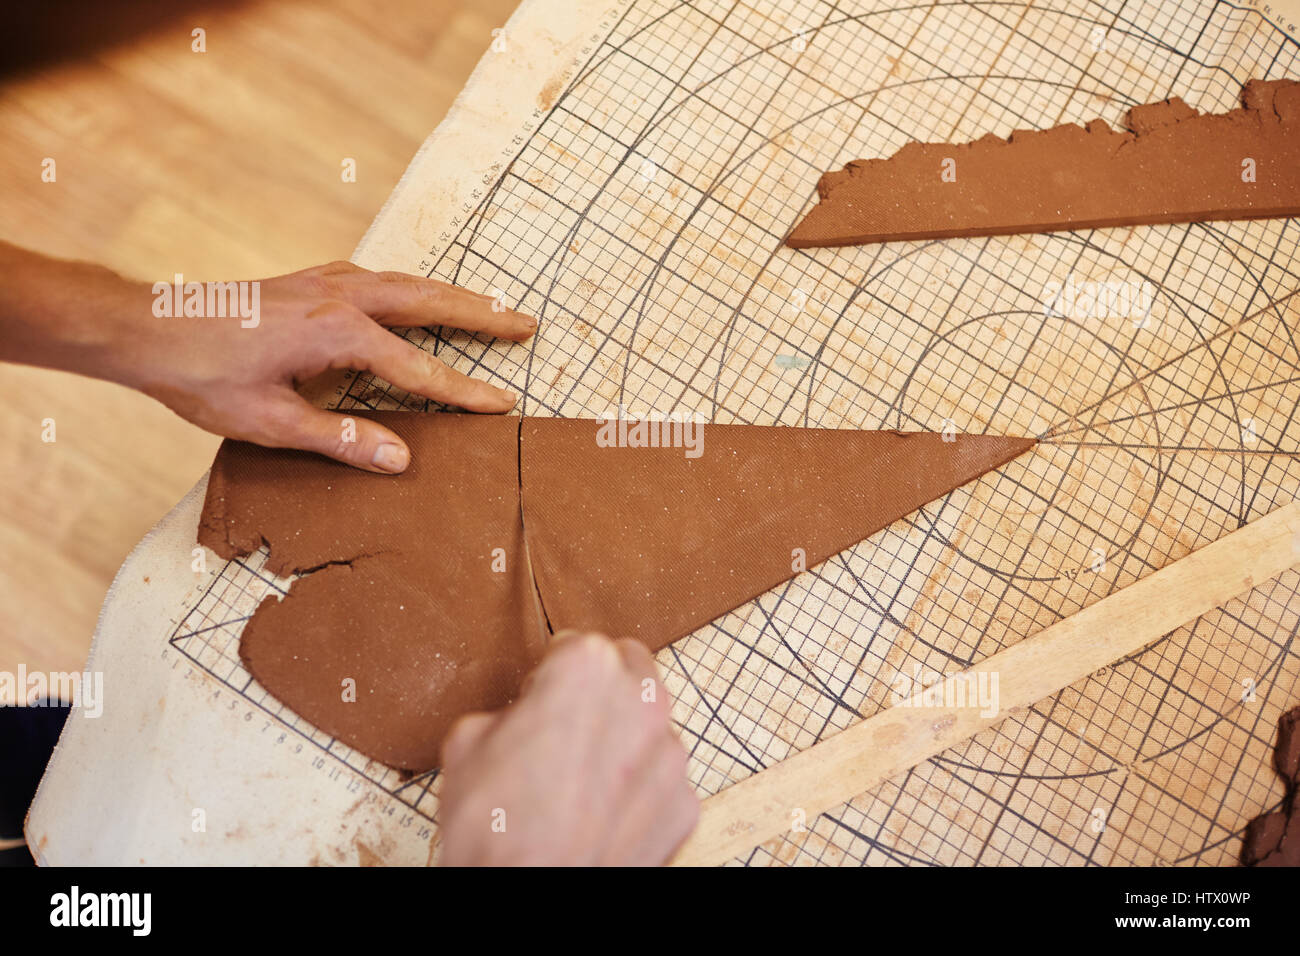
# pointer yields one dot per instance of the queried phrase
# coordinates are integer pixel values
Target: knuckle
(326, 286)
(588, 655)
(430, 294)
(344, 450)
(335, 267)
(598, 649)
(435, 370)
(334, 319)
(326, 311)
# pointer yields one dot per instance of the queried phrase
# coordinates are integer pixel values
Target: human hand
(581, 770)
(239, 382)
(236, 376)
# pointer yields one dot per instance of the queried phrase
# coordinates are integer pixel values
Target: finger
(683, 817)
(641, 666)
(660, 808)
(405, 301)
(337, 267)
(465, 736)
(583, 645)
(564, 647)
(637, 659)
(354, 441)
(568, 634)
(577, 662)
(422, 373)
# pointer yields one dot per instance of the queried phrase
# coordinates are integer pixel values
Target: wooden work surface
(627, 170)
(221, 165)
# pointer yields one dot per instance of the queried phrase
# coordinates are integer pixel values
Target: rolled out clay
(1175, 165)
(652, 544)
(418, 588)
(422, 591)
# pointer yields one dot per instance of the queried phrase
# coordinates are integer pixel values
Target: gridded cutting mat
(641, 217)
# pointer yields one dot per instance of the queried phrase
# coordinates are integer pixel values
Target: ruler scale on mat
(627, 172)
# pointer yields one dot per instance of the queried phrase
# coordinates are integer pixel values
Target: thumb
(464, 736)
(354, 441)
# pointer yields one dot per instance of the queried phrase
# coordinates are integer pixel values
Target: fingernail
(391, 458)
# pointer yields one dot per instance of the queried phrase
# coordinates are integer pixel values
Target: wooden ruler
(853, 761)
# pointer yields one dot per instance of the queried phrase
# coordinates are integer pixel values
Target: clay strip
(1176, 165)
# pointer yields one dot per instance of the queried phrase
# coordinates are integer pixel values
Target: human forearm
(233, 370)
(73, 316)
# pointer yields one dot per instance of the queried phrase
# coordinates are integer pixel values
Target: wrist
(75, 317)
(132, 345)
(112, 336)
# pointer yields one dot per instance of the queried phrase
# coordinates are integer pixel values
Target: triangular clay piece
(651, 543)
(1174, 165)
(420, 591)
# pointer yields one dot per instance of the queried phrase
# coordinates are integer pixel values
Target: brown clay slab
(651, 544)
(1173, 165)
(405, 596)
(412, 607)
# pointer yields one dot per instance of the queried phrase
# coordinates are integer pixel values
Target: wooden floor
(218, 165)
